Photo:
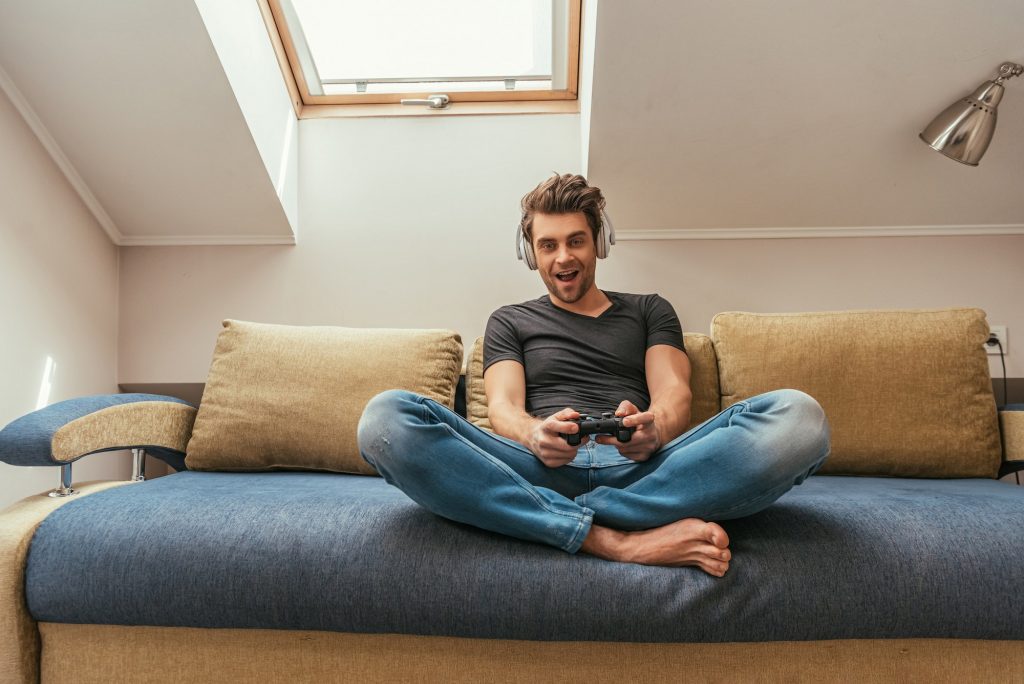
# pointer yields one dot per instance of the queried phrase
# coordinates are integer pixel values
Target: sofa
(274, 552)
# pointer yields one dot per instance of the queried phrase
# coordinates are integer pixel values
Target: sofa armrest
(1011, 427)
(63, 432)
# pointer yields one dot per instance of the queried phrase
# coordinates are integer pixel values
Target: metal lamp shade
(963, 131)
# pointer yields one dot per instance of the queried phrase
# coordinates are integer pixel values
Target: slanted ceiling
(131, 99)
(801, 117)
(707, 119)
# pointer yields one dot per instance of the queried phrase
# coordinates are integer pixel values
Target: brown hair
(563, 194)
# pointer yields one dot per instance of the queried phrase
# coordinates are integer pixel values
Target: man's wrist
(519, 427)
(528, 432)
(668, 425)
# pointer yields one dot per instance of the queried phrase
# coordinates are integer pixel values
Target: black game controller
(607, 424)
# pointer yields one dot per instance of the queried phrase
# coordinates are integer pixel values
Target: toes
(716, 535)
(716, 568)
(715, 553)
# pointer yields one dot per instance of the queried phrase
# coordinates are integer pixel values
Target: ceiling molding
(205, 240)
(625, 235)
(59, 158)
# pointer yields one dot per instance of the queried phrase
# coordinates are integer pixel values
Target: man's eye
(577, 242)
(547, 246)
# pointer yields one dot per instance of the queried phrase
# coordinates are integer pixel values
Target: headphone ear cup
(605, 236)
(524, 250)
(531, 258)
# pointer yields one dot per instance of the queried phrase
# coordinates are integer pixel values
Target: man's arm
(505, 386)
(668, 381)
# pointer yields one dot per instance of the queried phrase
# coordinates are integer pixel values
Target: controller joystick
(607, 424)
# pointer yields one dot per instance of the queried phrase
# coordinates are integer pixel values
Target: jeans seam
(586, 519)
(746, 407)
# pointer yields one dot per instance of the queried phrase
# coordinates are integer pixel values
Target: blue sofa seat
(893, 558)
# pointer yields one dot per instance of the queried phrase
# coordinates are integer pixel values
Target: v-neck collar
(611, 305)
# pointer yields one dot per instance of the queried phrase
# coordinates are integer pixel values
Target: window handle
(432, 101)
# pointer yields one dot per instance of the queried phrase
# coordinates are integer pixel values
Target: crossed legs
(653, 512)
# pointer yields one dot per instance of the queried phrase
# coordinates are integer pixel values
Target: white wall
(404, 222)
(378, 275)
(704, 277)
(410, 223)
(58, 298)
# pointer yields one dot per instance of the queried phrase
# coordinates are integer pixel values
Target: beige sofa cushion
(907, 393)
(290, 397)
(1011, 427)
(703, 381)
(476, 398)
(707, 400)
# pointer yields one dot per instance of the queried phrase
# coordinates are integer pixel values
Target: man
(580, 350)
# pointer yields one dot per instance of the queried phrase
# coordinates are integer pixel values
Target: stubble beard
(586, 282)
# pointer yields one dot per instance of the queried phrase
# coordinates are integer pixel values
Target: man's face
(566, 254)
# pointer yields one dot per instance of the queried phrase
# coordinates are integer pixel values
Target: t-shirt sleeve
(663, 325)
(501, 341)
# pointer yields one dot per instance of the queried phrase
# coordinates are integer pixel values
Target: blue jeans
(729, 466)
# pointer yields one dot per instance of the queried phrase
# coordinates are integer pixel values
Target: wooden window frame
(388, 104)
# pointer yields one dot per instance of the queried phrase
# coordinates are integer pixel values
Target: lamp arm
(1009, 70)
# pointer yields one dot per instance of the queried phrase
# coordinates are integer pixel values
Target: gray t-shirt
(587, 363)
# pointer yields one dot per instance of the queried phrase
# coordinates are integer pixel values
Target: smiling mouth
(566, 276)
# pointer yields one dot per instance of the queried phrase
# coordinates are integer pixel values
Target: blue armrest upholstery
(66, 431)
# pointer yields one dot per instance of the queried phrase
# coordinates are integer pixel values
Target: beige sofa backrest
(907, 392)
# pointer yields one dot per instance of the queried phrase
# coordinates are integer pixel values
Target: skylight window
(361, 51)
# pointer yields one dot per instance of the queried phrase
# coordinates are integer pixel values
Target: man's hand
(548, 445)
(646, 439)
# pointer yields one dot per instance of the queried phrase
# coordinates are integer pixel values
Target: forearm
(513, 422)
(672, 413)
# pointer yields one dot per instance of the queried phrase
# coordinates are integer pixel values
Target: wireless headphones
(524, 246)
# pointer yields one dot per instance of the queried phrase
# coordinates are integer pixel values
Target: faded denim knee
(808, 429)
(376, 425)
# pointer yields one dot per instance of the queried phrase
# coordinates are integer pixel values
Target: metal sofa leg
(65, 488)
(138, 465)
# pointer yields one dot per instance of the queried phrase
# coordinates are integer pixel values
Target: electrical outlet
(1000, 332)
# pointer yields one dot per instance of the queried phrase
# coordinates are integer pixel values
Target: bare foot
(685, 542)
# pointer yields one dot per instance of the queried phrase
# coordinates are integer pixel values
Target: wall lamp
(963, 130)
